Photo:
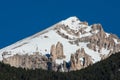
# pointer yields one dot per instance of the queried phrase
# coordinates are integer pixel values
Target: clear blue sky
(22, 18)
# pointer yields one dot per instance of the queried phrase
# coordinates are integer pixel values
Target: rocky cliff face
(27, 61)
(57, 51)
(80, 60)
(66, 46)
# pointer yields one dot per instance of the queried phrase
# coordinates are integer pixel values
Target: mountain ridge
(63, 42)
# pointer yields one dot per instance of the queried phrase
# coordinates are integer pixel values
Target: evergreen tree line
(108, 69)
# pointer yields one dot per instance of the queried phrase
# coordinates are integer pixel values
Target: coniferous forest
(108, 69)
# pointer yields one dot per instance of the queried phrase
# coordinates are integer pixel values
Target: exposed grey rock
(57, 51)
(97, 27)
(76, 63)
(73, 62)
(53, 52)
(28, 62)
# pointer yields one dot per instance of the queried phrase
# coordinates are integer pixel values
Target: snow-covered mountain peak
(72, 22)
(73, 18)
(70, 36)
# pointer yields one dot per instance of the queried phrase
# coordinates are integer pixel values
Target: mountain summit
(68, 45)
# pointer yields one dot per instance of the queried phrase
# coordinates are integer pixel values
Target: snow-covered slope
(43, 40)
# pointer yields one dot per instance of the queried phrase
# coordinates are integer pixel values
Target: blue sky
(22, 18)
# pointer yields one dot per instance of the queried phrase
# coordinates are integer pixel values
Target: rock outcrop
(80, 60)
(27, 61)
(53, 52)
(57, 51)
